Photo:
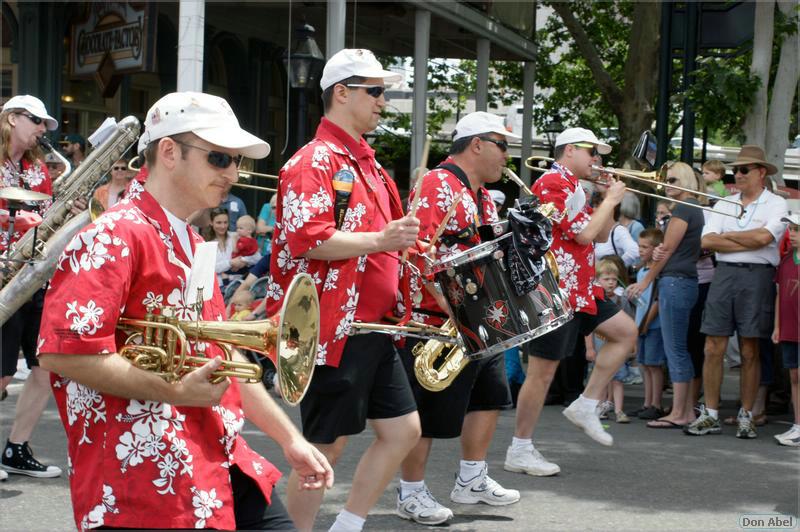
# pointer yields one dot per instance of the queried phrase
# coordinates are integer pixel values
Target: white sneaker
(3, 475)
(792, 433)
(482, 489)
(421, 507)
(588, 421)
(530, 461)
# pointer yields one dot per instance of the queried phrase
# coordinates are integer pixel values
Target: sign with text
(125, 32)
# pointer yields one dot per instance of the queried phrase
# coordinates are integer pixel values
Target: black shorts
(481, 385)
(21, 331)
(560, 343)
(370, 383)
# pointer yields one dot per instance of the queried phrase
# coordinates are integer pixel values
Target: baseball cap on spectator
(355, 62)
(497, 197)
(50, 158)
(792, 218)
(578, 135)
(34, 106)
(481, 122)
(209, 117)
(74, 138)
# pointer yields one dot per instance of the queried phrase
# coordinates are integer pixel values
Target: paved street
(650, 479)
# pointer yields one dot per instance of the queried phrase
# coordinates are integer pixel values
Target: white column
(191, 29)
(482, 85)
(422, 34)
(528, 81)
(337, 14)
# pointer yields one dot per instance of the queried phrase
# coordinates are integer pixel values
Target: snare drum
(490, 316)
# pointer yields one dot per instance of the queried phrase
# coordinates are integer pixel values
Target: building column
(422, 35)
(191, 28)
(528, 82)
(337, 14)
(482, 85)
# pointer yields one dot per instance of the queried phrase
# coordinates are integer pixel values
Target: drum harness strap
(465, 236)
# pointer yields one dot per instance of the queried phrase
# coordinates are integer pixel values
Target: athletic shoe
(793, 441)
(482, 489)
(586, 419)
(705, 424)
(746, 429)
(604, 408)
(529, 461)
(421, 507)
(793, 432)
(18, 458)
(3, 475)
(622, 417)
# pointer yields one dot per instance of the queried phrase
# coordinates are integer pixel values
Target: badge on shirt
(233, 206)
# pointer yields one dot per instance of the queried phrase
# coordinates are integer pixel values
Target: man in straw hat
(742, 293)
(144, 452)
(340, 219)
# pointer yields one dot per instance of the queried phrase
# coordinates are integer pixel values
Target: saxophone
(34, 257)
(426, 354)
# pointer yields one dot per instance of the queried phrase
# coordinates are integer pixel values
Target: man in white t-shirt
(742, 293)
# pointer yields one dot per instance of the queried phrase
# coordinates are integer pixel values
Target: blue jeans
(676, 297)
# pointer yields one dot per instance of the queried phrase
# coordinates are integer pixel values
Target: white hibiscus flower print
(85, 318)
(204, 503)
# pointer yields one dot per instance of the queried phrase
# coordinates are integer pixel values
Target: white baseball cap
(355, 62)
(481, 122)
(497, 196)
(578, 134)
(209, 117)
(34, 106)
(792, 218)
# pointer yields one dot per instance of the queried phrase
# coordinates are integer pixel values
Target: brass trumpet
(160, 342)
(655, 179)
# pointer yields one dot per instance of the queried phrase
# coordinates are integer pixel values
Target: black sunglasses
(591, 147)
(672, 180)
(119, 168)
(35, 119)
(744, 170)
(373, 90)
(216, 158)
(502, 144)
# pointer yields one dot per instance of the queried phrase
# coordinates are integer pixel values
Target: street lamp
(551, 130)
(304, 64)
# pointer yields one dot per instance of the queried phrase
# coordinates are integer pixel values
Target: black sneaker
(18, 458)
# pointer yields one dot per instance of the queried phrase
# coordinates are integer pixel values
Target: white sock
(585, 402)
(407, 488)
(713, 413)
(470, 469)
(347, 522)
(520, 444)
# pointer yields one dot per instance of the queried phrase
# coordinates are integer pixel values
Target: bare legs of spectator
(682, 412)
(30, 405)
(761, 400)
(713, 368)
(654, 379)
(394, 438)
(793, 376)
(695, 389)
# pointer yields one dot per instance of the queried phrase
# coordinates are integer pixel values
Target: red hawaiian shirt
(439, 189)
(305, 218)
(139, 464)
(575, 261)
(34, 176)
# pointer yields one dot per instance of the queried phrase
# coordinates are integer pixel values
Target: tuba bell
(161, 343)
(437, 363)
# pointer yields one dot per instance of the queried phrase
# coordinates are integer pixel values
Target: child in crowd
(650, 353)
(241, 304)
(787, 315)
(713, 172)
(609, 275)
(246, 244)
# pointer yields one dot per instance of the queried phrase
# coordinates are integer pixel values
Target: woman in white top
(227, 267)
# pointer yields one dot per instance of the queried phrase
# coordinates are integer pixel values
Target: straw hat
(750, 154)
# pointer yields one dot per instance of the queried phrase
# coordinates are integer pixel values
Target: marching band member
(576, 151)
(23, 121)
(340, 219)
(470, 406)
(146, 453)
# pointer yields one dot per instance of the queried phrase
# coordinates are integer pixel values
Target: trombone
(654, 179)
(134, 165)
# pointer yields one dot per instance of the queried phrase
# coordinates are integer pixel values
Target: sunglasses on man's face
(119, 168)
(744, 170)
(591, 147)
(35, 119)
(502, 144)
(373, 90)
(216, 158)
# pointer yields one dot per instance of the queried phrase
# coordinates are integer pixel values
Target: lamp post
(304, 64)
(551, 130)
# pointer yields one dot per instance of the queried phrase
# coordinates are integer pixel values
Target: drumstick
(418, 185)
(450, 212)
(515, 178)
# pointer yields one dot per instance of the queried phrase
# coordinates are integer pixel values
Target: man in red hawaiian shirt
(23, 121)
(470, 406)
(146, 453)
(340, 220)
(576, 150)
